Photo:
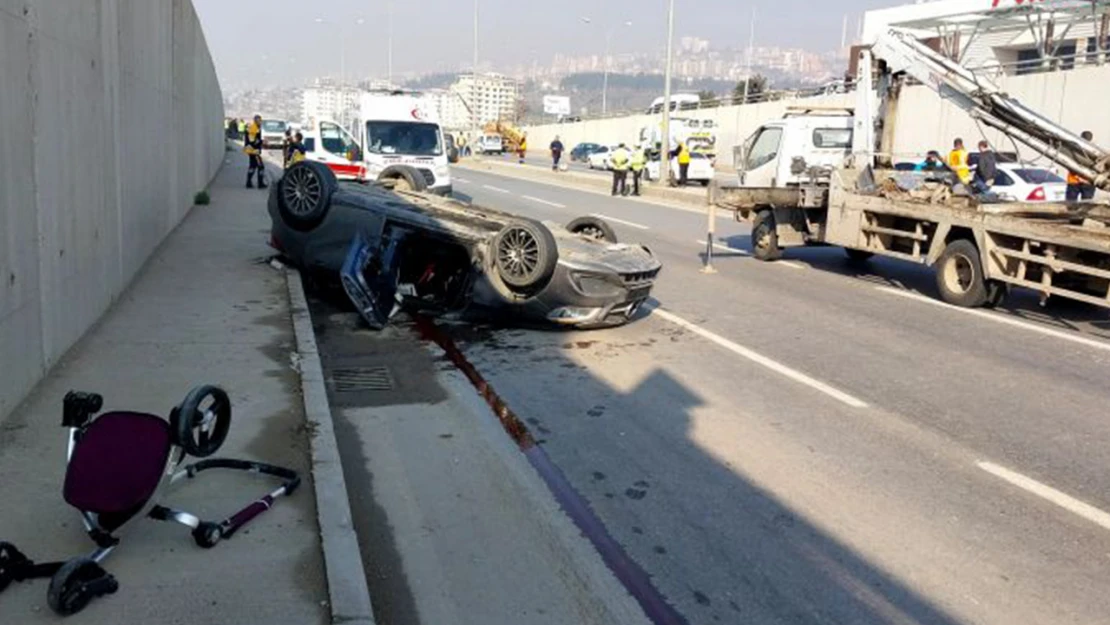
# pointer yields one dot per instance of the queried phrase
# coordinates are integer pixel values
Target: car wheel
(403, 178)
(304, 195)
(960, 275)
(593, 228)
(765, 240)
(704, 183)
(525, 253)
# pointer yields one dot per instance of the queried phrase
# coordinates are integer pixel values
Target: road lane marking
(1065, 501)
(999, 318)
(761, 360)
(492, 188)
(536, 199)
(621, 221)
(725, 248)
(462, 180)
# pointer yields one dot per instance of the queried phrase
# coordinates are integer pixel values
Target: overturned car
(393, 248)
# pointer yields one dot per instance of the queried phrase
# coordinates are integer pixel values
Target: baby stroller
(118, 466)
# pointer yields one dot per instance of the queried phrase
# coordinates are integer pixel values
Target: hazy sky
(270, 42)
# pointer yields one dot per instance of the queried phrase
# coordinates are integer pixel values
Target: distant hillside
(433, 81)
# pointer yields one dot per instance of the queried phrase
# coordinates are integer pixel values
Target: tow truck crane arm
(902, 54)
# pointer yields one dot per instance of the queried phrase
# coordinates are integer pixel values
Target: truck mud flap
(370, 282)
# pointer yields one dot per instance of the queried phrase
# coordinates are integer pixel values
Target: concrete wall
(1075, 98)
(110, 113)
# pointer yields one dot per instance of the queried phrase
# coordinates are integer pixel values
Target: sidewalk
(205, 309)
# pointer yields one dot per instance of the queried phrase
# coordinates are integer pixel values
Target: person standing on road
(619, 160)
(637, 163)
(252, 147)
(683, 164)
(286, 144)
(1080, 188)
(556, 153)
(296, 149)
(958, 161)
(522, 149)
(986, 171)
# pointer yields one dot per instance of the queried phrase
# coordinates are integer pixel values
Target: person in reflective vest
(296, 149)
(523, 148)
(958, 161)
(636, 163)
(1079, 188)
(252, 147)
(683, 164)
(619, 161)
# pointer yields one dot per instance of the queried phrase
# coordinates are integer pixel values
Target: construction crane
(900, 54)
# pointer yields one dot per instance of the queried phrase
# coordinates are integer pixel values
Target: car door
(761, 157)
(340, 152)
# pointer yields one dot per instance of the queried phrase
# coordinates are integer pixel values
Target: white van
(679, 102)
(491, 144)
(391, 129)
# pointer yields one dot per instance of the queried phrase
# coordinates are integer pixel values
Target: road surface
(816, 441)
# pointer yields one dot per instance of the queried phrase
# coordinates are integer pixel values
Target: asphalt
(817, 441)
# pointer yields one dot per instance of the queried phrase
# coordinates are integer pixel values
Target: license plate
(639, 294)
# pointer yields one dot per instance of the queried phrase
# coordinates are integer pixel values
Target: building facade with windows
(489, 97)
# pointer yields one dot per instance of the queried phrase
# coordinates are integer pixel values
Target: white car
(599, 159)
(701, 169)
(273, 133)
(1017, 183)
(491, 144)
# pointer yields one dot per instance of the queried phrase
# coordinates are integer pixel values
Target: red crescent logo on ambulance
(417, 114)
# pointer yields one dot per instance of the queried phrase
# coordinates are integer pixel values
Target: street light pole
(474, 81)
(665, 154)
(389, 53)
(605, 79)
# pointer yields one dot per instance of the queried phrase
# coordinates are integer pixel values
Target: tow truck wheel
(765, 240)
(960, 275)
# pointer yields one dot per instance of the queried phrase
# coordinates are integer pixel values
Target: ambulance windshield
(403, 138)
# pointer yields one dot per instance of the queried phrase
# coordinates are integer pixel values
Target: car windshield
(1037, 176)
(412, 138)
(273, 126)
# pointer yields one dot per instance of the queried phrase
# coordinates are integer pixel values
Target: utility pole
(389, 53)
(474, 82)
(605, 80)
(665, 153)
(751, 53)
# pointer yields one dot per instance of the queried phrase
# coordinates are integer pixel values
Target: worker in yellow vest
(683, 164)
(637, 163)
(958, 161)
(252, 147)
(619, 161)
(296, 149)
(522, 148)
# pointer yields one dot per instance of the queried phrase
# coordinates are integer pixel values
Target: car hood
(585, 254)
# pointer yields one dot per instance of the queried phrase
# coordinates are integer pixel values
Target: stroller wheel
(10, 557)
(78, 582)
(207, 534)
(200, 424)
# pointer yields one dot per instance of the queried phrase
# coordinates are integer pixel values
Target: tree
(756, 85)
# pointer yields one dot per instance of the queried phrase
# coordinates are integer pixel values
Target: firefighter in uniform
(252, 147)
(619, 161)
(637, 163)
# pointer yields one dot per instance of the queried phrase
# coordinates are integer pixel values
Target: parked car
(599, 158)
(273, 133)
(582, 151)
(442, 256)
(701, 169)
(491, 144)
(1018, 183)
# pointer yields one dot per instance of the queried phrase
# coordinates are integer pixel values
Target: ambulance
(391, 129)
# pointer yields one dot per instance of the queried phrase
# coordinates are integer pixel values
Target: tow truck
(825, 177)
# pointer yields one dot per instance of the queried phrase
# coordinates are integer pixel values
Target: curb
(349, 597)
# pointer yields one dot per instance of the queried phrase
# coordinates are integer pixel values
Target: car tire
(403, 178)
(704, 183)
(593, 228)
(304, 195)
(765, 240)
(960, 275)
(524, 254)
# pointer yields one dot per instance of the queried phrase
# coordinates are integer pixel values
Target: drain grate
(360, 379)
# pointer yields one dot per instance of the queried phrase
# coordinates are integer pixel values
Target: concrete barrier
(111, 114)
(926, 121)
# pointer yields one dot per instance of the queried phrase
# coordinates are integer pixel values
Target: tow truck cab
(784, 152)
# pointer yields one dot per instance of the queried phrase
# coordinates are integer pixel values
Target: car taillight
(1037, 195)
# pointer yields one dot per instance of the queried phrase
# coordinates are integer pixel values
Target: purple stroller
(118, 466)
